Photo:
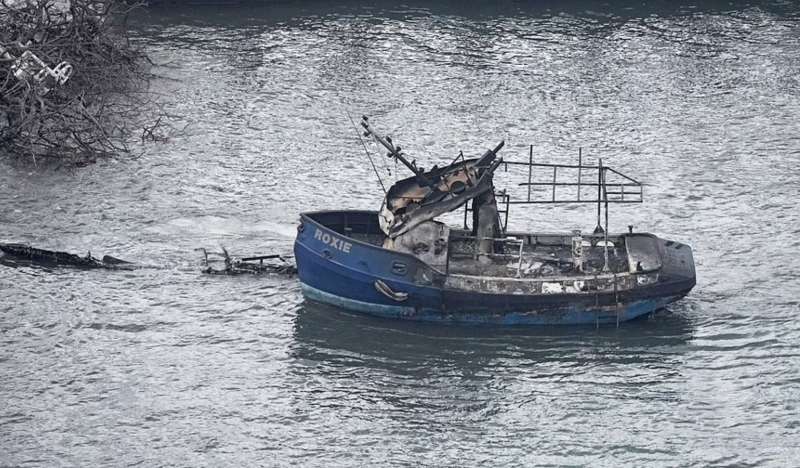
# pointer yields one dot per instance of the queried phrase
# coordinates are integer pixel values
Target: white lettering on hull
(332, 241)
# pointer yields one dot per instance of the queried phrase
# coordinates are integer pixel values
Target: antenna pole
(394, 151)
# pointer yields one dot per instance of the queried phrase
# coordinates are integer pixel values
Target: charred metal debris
(21, 254)
(16, 254)
(257, 265)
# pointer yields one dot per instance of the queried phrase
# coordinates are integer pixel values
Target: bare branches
(71, 85)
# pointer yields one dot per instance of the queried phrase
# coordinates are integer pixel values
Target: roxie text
(334, 242)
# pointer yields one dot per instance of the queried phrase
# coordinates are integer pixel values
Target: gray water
(165, 366)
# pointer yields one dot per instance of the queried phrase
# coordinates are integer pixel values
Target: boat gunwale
(555, 279)
(307, 215)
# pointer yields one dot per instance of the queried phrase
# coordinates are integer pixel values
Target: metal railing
(624, 189)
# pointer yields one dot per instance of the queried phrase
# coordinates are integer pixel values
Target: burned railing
(584, 183)
(611, 185)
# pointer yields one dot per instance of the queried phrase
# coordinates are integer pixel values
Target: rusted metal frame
(622, 175)
(580, 166)
(562, 166)
(549, 202)
(622, 192)
(573, 184)
(580, 170)
(260, 259)
(633, 183)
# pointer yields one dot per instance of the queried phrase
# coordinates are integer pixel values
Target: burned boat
(402, 262)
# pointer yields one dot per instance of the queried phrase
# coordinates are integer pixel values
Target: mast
(395, 152)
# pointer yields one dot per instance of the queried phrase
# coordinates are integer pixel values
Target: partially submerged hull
(341, 261)
(569, 315)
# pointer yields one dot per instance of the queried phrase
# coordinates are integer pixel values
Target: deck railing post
(605, 198)
(580, 170)
(599, 191)
(616, 298)
(508, 205)
(530, 172)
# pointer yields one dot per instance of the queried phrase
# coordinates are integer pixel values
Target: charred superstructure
(419, 199)
(403, 262)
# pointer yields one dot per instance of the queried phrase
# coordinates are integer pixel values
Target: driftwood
(72, 86)
(14, 254)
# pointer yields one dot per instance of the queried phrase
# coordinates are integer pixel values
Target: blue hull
(341, 271)
(576, 316)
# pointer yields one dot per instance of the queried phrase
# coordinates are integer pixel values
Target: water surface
(165, 366)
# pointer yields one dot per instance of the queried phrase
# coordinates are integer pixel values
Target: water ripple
(166, 366)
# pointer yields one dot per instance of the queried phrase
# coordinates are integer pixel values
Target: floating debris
(28, 254)
(275, 264)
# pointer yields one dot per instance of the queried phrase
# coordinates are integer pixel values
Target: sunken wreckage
(400, 262)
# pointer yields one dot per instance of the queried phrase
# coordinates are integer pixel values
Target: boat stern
(678, 265)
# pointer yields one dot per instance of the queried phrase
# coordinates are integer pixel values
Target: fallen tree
(72, 86)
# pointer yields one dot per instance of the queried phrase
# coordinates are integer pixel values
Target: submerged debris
(247, 265)
(23, 252)
(15, 254)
